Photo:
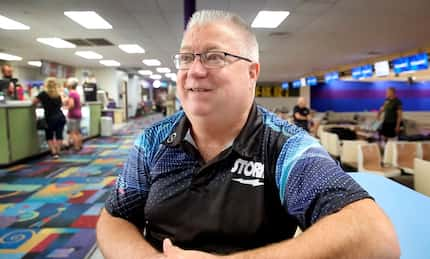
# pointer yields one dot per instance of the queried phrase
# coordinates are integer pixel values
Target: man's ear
(254, 72)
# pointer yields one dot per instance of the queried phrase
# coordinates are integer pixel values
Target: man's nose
(197, 68)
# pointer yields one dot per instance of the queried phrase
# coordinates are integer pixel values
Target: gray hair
(72, 82)
(250, 45)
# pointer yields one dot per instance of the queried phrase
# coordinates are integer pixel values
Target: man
(226, 177)
(7, 72)
(301, 114)
(392, 110)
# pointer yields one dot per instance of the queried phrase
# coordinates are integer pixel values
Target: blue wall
(356, 96)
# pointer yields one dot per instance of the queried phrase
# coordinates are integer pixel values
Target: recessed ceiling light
(9, 24)
(35, 63)
(89, 54)
(151, 62)
(155, 77)
(88, 19)
(269, 19)
(110, 63)
(131, 48)
(9, 57)
(56, 43)
(163, 70)
(145, 72)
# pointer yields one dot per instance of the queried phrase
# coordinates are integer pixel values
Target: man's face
(7, 71)
(390, 94)
(228, 90)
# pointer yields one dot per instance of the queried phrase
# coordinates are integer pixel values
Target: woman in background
(74, 114)
(51, 103)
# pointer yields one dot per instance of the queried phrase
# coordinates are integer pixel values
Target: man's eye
(214, 57)
(186, 58)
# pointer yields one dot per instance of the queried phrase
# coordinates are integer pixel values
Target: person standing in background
(7, 72)
(301, 114)
(392, 109)
(55, 119)
(74, 114)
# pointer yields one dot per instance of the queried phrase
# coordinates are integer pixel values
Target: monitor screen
(331, 76)
(382, 68)
(311, 81)
(90, 92)
(297, 84)
(418, 62)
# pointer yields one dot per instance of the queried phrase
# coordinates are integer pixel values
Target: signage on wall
(56, 70)
(410, 63)
(272, 90)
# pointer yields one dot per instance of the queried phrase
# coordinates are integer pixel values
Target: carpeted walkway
(49, 208)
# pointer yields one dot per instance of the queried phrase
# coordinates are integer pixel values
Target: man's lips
(198, 89)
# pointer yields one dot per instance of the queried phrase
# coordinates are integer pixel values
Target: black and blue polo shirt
(273, 178)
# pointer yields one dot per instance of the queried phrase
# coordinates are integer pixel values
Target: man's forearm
(118, 238)
(350, 233)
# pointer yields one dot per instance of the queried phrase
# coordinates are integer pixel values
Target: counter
(117, 115)
(19, 138)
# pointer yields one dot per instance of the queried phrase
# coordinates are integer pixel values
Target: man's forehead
(209, 36)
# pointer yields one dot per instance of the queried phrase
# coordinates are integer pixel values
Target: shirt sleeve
(128, 196)
(311, 183)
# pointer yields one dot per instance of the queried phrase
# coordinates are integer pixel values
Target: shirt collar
(246, 143)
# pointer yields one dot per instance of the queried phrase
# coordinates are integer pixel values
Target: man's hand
(173, 252)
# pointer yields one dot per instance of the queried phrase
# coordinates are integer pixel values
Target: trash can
(106, 126)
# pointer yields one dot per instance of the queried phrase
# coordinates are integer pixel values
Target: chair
(404, 154)
(349, 152)
(333, 145)
(324, 139)
(388, 152)
(425, 150)
(369, 160)
(422, 176)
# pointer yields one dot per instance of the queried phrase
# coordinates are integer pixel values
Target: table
(408, 210)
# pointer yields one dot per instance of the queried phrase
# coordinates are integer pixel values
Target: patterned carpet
(49, 208)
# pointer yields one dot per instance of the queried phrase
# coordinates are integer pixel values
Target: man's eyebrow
(206, 49)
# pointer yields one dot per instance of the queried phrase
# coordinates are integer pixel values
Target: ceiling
(318, 35)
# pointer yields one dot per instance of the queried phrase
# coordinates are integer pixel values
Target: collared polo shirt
(273, 178)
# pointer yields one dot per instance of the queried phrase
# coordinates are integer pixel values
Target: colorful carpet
(49, 208)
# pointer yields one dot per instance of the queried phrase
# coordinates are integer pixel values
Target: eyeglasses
(210, 59)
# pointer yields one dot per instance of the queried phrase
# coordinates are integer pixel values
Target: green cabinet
(95, 114)
(18, 134)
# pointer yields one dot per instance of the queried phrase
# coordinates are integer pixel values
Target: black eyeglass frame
(203, 54)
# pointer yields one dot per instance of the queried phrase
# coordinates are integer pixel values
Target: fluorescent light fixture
(9, 57)
(269, 19)
(110, 63)
(145, 72)
(156, 84)
(172, 76)
(131, 48)
(9, 24)
(88, 19)
(89, 54)
(56, 43)
(163, 70)
(35, 63)
(155, 77)
(151, 62)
